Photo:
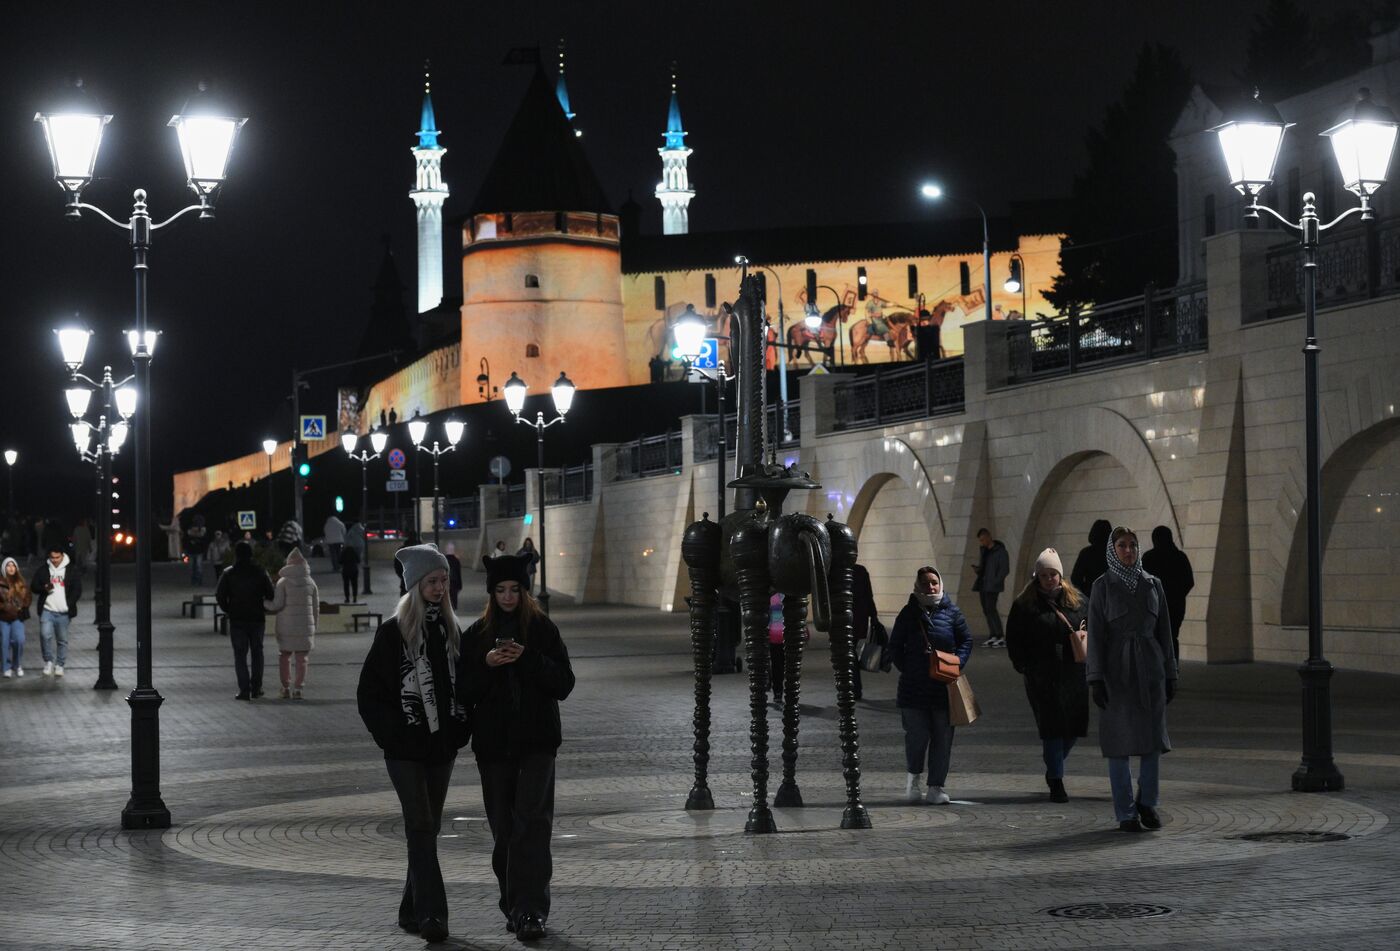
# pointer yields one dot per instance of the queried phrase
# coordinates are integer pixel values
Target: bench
(373, 625)
(191, 608)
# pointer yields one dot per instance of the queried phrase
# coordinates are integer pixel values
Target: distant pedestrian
(57, 585)
(1132, 674)
(531, 554)
(290, 536)
(777, 645)
(355, 537)
(334, 532)
(297, 602)
(15, 599)
(454, 573)
(1169, 565)
(991, 571)
(499, 550)
(864, 616)
(242, 591)
(1041, 627)
(410, 697)
(219, 549)
(929, 622)
(1092, 563)
(196, 544)
(517, 670)
(350, 572)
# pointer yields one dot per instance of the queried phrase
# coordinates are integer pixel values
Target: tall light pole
(933, 193)
(782, 347)
(563, 393)
(1016, 280)
(417, 430)
(1362, 144)
(270, 447)
(11, 457)
(111, 434)
(206, 134)
(377, 440)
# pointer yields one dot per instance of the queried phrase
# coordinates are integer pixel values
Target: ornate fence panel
(1356, 262)
(890, 396)
(707, 430)
(649, 456)
(462, 513)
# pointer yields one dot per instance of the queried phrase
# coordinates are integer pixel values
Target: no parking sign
(396, 459)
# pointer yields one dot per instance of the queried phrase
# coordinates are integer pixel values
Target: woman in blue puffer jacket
(929, 622)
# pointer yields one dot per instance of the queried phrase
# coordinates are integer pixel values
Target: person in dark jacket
(929, 622)
(1092, 563)
(412, 701)
(1039, 630)
(991, 570)
(516, 669)
(350, 572)
(454, 569)
(243, 587)
(1169, 565)
(863, 614)
(1132, 675)
(56, 587)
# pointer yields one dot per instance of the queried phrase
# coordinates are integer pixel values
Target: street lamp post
(206, 134)
(1016, 280)
(378, 440)
(270, 447)
(110, 437)
(562, 392)
(1362, 144)
(935, 192)
(11, 457)
(417, 430)
(782, 350)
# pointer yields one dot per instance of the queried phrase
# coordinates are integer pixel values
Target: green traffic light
(304, 469)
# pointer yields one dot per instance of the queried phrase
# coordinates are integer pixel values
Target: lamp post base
(1317, 772)
(105, 681)
(145, 809)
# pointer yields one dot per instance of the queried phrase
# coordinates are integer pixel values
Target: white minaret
(428, 194)
(674, 191)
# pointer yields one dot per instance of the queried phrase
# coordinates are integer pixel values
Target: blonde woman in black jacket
(411, 699)
(516, 671)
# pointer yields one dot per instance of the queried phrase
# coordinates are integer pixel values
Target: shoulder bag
(1078, 638)
(943, 667)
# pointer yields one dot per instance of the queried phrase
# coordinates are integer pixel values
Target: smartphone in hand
(504, 642)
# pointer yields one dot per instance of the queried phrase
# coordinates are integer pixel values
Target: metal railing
(572, 484)
(650, 456)
(464, 513)
(1357, 263)
(707, 430)
(1158, 324)
(932, 388)
(511, 502)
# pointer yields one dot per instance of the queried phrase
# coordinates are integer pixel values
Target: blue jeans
(11, 637)
(1055, 752)
(928, 736)
(1120, 777)
(51, 625)
(196, 569)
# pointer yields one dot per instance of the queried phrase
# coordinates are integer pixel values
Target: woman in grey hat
(1131, 670)
(517, 670)
(411, 699)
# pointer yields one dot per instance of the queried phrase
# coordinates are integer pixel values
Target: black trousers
(519, 798)
(247, 638)
(989, 610)
(352, 586)
(422, 789)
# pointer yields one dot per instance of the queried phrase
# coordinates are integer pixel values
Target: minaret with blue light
(561, 91)
(428, 195)
(674, 191)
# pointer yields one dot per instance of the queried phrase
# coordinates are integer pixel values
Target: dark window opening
(532, 280)
(532, 350)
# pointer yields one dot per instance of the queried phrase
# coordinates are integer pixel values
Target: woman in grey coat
(1131, 670)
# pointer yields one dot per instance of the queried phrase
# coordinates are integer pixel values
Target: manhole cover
(1109, 910)
(1296, 836)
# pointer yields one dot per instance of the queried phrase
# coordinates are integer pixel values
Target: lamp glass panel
(690, 336)
(126, 401)
(132, 337)
(348, 441)
(73, 342)
(73, 144)
(417, 429)
(11, 457)
(563, 393)
(116, 437)
(205, 144)
(78, 398)
(80, 431)
(1363, 151)
(1012, 285)
(813, 318)
(378, 441)
(515, 394)
(1251, 151)
(455, 428)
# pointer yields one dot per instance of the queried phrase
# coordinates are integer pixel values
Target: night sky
(809, 113)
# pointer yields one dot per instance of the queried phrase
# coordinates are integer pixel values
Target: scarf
(1126, 575)
(418, 696)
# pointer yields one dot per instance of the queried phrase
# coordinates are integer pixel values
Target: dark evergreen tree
(1290, 51)
(1122, 233)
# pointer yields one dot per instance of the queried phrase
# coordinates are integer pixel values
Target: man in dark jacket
(991, 579)
(1171, 567)
(243, 587)
(1093, 557)
(57, 586)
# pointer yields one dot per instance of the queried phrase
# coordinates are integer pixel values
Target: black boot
(1057, 789)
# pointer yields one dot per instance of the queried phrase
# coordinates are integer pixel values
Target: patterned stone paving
(286, 834)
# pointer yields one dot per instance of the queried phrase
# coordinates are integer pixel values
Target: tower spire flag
(674, 191)
(428, 195)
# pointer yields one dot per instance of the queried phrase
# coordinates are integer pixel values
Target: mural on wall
(349, 401)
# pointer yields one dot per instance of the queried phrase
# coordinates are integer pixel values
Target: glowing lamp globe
(11, 457)
(73, 130)
(269, 446)
(207, 133)
(378, 440)
(78, 398)
(689, 332)
(126, 401)
(514, 390)
(1363, 145)
(417, 429)
(116, 437)
(1250, 141)
(1013, 279)
(348, 441)
(813, 317)
(81, 434)
(563, 393)
(455, 428)
(73, 342)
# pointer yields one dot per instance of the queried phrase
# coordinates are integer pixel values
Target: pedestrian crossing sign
(247, 521)
(313, 428)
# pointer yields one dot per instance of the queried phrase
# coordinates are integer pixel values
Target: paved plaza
(287, 835)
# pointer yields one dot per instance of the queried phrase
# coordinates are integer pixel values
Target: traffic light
(964, 278)
(301, 466)
(811, 286)
(339, 504)
(862, 282)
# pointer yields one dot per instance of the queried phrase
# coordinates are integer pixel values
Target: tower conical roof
(427, 122)
(540, 165)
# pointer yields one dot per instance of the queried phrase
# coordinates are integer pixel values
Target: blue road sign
(247, 521)
(313, 428)
(709, 355)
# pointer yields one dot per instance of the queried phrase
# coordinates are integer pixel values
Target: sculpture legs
(842, 661)
(753, 609)
(702, 634)
(794, 627)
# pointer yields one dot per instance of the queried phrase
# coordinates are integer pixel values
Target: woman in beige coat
(296, 602)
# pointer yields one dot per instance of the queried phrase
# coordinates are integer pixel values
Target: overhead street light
(562, 392)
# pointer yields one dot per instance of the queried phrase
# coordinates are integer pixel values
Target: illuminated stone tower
(428, 195)
(674, 191)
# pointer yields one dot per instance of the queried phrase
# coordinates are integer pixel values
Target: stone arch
(1072, 438)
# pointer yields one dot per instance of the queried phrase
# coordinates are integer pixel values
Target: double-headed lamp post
(111, 434)
(206, 135)
(563, 393)
(690, 331)
(418, 431)
(1362, 143)
(378, 440)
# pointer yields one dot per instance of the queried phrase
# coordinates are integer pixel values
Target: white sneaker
(913, 792)
(296, 693)
(938, 797)
(48, 668)
(58, 670)
(8, 674)
(19, 671)
(286, 693)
